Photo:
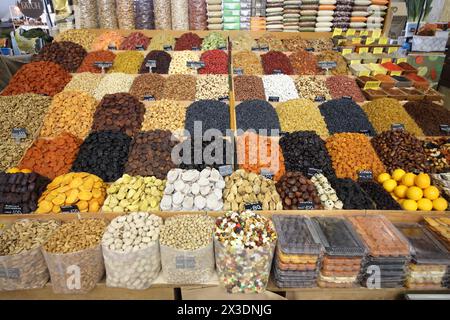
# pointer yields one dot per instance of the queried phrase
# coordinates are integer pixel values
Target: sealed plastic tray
(425, 248)
(294, 284)
(295, 267)
(338, 237)
(440, 228)
(296, 235)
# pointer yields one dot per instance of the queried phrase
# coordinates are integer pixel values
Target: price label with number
(346, 51)
(313, 171)
(363, 50)
(392, 50)
(396, 73)
(226, 170)
(12, 209)
(18, 134)
(307, 205)
(167, 47)
(376, 33)
(445, 128)
(337, 32)
(277, 71)
(400, 60)
(372, 85)
(378, 50)
(274, 99)
(370, 40)
(365, 175)
(256, 206)
(383, 40)
(149, 98)
(326, 65)
(238, 71)
(320, 99)
(70, 209)
(350, 32)
(398, 126)
(267, 174)
(356, 40)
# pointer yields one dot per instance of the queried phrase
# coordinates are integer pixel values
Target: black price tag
(224, 99)
(195, 49)
(238, 71)
(112, 47)
(140, 47)
(266, 173)
(264, 48)
(195, 64)
(255, 48)
(10, 273)
(167, 47)
(320, 99)
(222, 47)
(103, 64)
(335, 49)
(313, 171)
(277, 71)
(150, 64)
(18, 134)
(365, 175)
(12, 209)
(283, 133)
(366, 132)
(307, 205)
(149, 98)
(445, 128)
(182, 262)
(398, 126)
(226, 170)
(274, 99)
(415, 171)
(70, 209)
(326, 65)
(310, 49)
(256, 206)
(347, 97)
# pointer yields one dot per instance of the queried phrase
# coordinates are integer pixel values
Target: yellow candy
(45, 206)
(85, 195)
(77, 182)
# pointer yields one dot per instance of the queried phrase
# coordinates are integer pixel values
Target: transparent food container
(77, 272)
(132, 270)
(187, 266)
(23, 271)
(244, 270)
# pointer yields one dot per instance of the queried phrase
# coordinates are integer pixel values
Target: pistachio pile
(133, 194)
(243, 188)
(193, 190)
(327, 194)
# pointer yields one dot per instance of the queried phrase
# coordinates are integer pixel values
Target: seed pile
(41, 77)
(351, 153)
(248, 61)
(86, 82)
(85, 191)
(281, 86)
(210, 114)
(25, 235)
(113, 83)
(243, 41)
(134, 194)
(384, 112)
(216, 62)
(438, 154)
(275, 60)
(294, 189)
(428, 115)
(162, 60)
(341, 64)
(21, 189)
(104, 154)
(150, 154)
(352, 195)
(180, 87)
(192, 190)
(301, 115)
(214, 153)
(259, 153)
(326, 193)
(52, 157)
(127, 62)
(295, 44)
(304, 63)
(70, 111)
(178, 65)
(164, 115)
(67, 54)
(248, 88)
(312, 87)
(151, 84)
(271, 41)
(211, 87)
(214, 40)
(381, 197)
(120, 111)
(106, 39)
(84, 38)
(88, 64)
(160, 40)
(22, 111)
(400, 149)
(337, 112)
(303, 150)
(244, 188)
(135, 40)
(343, 86)
(187, 41)
(257, 115)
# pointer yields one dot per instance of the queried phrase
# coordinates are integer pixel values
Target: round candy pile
(296, 190)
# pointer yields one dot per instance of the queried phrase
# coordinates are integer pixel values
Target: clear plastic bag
(244, 270)
(163, 16)
(144, 14)
(88, 14)
(23, 271)
(197, 15)
(107, 17)
(187, 267)
(77, 272)
(132, 270)
(180, 14)
(125, 14)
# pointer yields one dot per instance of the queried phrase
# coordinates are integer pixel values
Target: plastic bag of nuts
(187, 254)
(125, 14)
(22, 265)
(74, 256)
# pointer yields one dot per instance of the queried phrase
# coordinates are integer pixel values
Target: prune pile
(351, 194)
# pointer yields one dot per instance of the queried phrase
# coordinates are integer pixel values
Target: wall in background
(4, 8)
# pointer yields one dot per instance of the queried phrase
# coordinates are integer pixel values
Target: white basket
(430, 44)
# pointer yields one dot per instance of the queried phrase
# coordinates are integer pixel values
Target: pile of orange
(413, 192)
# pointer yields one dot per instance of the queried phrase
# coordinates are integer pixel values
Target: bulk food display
(253, 161)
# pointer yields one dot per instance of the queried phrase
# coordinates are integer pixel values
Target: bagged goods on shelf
(88, 14)
(144, 14)
(107, 14)
(197, 15)
(163, 15)
(180, 14)
(125, 14)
